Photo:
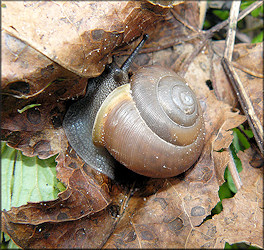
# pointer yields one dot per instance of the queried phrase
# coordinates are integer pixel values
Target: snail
(152, 124)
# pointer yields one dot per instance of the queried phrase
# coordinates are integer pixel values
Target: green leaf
(227, 246)
(245, 4)
(222, 14)
(61, 187)
(34, 180)
(230, 182)
(225, 192)
(258, 38)
(217, 209)
(240, 141)
(8, 243)
(206, 24)
(7, 167)
(248, 132)
(235, 142)
(240, 245)
(26, 178)
(257, 12)
(227, 175)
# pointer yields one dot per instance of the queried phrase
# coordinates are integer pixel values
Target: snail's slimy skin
(79, 119)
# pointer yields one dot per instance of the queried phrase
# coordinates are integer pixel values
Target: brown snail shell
(154, 128)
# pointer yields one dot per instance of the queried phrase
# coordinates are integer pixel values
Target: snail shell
(153, 126)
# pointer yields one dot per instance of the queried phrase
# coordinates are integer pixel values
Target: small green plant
(25, 179)
(228, 189)
(221, 15)
(240, 245)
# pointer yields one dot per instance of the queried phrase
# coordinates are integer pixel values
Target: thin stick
(205, 35)
(231, 34)
(229, 47)
(209, 33)
(183, 21)
(247, 70)
(245, 102)
(243, 98)
(241, 15)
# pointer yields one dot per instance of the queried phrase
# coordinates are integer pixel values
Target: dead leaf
(243, 213)
(79, 36)
(26, 72)
(38, 130)
(248, 61)
(248, 67)
(82, 233)
(83, 196)
(38, 229)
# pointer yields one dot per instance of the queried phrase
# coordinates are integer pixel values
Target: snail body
(79, 119)
(153, 125)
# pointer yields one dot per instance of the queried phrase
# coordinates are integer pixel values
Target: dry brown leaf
(242, 217)
(249, 67)
(25, 71)
(38, 130)
(83, 233)
(79, 35)
(165, 218)
(83, 196)
(220, 82)
(35, 225)
(248, 62)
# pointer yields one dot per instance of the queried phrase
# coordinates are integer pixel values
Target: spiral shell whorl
(167, 105)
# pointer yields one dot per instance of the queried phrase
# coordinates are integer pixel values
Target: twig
(203, 9)
(245, 102)
(243, 98)
(241, 15)
(204, 35)
(229, 47)
(231, 34)
(253, 145)
(247, 70)
(209, 33)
